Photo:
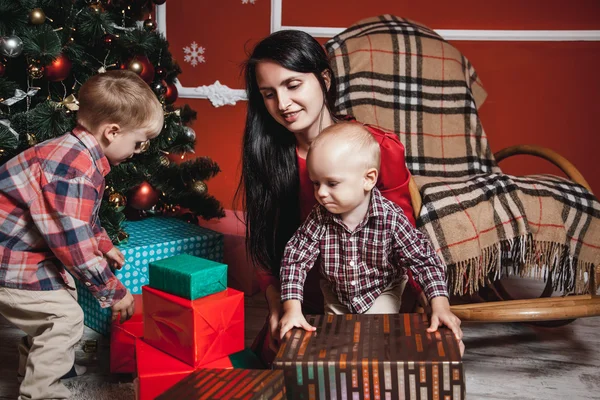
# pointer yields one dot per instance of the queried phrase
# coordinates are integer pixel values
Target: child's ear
(371, 176)
(109, 131)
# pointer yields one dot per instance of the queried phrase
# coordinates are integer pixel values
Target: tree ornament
(160, 72)
(164, 161)
(189, 133)
(198, 187)
(2, 69)
(159, 2)
(122, 235)
(35, 70)
(159, 88)
(117, 201)
(143, 197)
(37, 16)
(11, 46)
(143, 67)
(171, 94)
(150, 25)
(109, 40)
(59, 69)
(97, 7)
(31, 139)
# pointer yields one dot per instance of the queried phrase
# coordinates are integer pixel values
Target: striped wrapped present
(371, 357)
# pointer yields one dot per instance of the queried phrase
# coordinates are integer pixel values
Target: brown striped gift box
(371, 357)
(229, 384)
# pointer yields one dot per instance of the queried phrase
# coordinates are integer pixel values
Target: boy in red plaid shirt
(365, 241)
(50, 233)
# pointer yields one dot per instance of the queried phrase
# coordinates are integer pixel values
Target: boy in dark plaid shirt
(49, 200)
(365, 241)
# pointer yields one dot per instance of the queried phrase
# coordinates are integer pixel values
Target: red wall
(544, 93)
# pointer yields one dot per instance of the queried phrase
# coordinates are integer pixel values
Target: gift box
(188, 276)
(195, 331)
(244, 384)
(122, 340)
(241, 270)
(156, 371)
(245, 359)
(371, 356)
(150, 239)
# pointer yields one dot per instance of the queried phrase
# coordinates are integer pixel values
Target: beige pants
(388, 302)
(53, 322)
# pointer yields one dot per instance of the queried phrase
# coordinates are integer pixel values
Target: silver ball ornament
(190, 134)
(11, 46)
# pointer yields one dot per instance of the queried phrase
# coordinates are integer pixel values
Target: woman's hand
(274, 302)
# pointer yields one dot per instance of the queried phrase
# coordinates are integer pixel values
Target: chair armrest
(415, 197)
(565, 165)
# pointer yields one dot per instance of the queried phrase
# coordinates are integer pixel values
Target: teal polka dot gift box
(150, 240)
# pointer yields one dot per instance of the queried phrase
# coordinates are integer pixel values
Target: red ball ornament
(171, 94)
(59, 69)
(146, 72)
(143, 197)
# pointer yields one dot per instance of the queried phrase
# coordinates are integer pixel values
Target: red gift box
(195, 331)
(156, 371)
(122, 340)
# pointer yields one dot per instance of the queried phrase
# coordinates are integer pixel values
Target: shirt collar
(90, 142)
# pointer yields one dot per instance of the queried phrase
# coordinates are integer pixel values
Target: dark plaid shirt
(49, 200)
(359, 265)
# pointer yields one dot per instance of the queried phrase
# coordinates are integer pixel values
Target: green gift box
(188, 276)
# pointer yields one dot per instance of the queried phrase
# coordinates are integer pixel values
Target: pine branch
(13, 17)
(41, 43)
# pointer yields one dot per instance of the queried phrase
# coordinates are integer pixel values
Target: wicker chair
(388, 73)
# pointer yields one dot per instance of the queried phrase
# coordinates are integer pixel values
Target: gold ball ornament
(35, 71)
(122, 235)
(150, 25)
(117, 200)
(31, 139)
(37, 16)
(136, 66)
(199, 187)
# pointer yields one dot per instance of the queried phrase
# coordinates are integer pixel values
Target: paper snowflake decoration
(194, 54)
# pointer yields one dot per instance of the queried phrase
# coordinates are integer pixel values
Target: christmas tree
(49, 48)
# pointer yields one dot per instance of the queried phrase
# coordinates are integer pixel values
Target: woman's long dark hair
(269, 185)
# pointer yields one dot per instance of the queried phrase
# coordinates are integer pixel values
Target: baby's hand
(441, 315)
(115, 258)
(293, 318)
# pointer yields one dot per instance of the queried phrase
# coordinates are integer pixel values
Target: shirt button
(352, 263)
(355, 299)
(103, 298)
(88, 284)
(353, 283)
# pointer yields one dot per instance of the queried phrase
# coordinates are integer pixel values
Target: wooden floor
(502, 361)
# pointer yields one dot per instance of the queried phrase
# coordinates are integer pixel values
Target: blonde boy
(365, 241)
(49, 200)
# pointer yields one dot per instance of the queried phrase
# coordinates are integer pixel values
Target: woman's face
(294, 99)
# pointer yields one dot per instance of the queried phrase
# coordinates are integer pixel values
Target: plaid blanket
(403, 77)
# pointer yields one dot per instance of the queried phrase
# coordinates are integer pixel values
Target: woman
(291, 92)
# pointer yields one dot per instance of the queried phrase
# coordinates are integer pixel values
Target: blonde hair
(119, 97)
(359, 141)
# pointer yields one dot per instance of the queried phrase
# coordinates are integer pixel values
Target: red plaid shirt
(49, 200)
(360, 264)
